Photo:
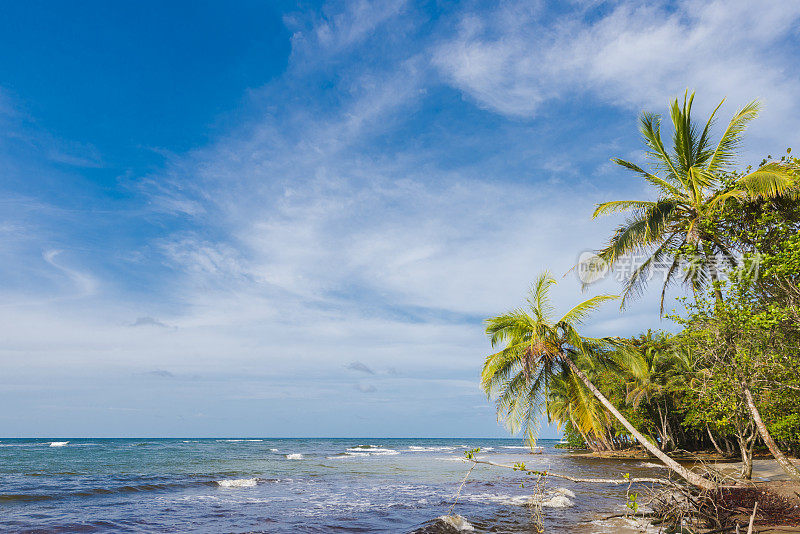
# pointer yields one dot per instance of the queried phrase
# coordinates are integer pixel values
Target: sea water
(298, 485)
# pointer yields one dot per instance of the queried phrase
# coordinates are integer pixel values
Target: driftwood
(615, 481)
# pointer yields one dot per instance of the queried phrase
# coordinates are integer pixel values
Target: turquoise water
(290, 485)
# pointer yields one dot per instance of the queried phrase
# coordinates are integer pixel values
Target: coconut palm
(651, 365)
(536, 348)
(689, 184)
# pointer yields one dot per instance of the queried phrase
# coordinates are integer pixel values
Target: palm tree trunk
(691, 477)
(788, 467)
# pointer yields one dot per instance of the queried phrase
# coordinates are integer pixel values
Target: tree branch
(617, 481)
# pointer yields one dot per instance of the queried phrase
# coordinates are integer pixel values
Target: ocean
(297, 486)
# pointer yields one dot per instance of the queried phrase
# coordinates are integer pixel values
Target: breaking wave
(457, 522)
(237, 483)
(556, 499)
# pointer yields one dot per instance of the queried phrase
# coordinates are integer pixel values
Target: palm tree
(650, 364)
(688, 181)
(537, 348)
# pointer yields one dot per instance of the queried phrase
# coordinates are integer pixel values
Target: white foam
(565, 491)
(237, 483)
(457, 522)
(371, 450)
(557, 501)
(294, 456)
(237, 440)
(58, 443)
(430, 449)
(351, 453)
(514, 447)
(274, 450)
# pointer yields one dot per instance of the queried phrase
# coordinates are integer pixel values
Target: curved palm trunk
(788, 467)
(691, 477)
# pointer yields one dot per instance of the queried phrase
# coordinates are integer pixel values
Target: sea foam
(237, 483)
(457, 522)
(359, 453)
(58, 443)
(294, 456)
(556, 499)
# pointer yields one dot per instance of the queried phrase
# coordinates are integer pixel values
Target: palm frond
(499, 367)
(618, 206)
(771, 180)
(684, 137)
(508, 326)
(539, 296)
(731, 139)
(662, 184)
(639, 232)
(650, 127)
(581, 311)
(634, 284)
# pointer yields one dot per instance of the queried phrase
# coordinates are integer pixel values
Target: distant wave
(371, 450)
(90, 492)
(274, 450)
(237, 483)
(236, 440)
(294, 456)
(9, 497)
(536, 449)
(442, 448)
(357, 453)
(58, 443)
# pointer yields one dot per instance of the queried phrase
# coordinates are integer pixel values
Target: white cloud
(636, 54)
(308, 239)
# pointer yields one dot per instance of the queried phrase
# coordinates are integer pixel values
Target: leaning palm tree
(688, 180)
(536, 348)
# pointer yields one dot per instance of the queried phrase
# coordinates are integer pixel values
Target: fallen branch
(752, 519)
(617, 481)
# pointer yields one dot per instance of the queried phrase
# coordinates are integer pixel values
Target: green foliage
(633, 502)
(470, 454)
(741, 331)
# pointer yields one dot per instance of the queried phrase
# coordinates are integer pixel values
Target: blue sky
(290, 220)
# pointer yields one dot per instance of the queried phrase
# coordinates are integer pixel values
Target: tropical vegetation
(725, 379)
